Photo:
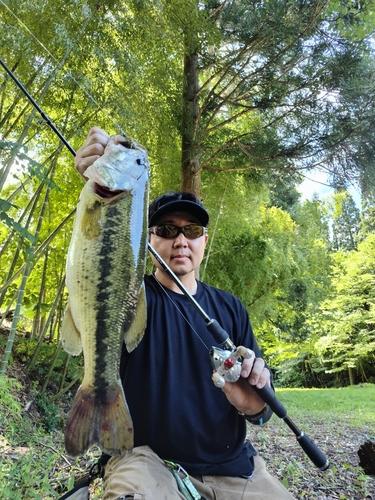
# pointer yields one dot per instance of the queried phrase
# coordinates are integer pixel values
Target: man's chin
(180, 270)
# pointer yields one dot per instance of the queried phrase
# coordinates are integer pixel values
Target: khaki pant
(142, 475)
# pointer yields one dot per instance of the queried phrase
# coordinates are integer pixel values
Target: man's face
(183, 255)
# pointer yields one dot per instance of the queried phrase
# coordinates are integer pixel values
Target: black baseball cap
(177, 202)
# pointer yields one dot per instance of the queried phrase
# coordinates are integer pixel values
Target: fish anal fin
(134, 334)
(70, 336)
(104, 421)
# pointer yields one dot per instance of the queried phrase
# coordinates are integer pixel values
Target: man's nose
(180, 240)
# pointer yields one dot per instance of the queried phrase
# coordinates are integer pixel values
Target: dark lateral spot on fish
(138, 162)
(105, 192)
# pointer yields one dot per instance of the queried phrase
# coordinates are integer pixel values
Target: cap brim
(181, 206)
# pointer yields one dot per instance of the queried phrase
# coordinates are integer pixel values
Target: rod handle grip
(313, 452)
(217, 331)
(269, 397)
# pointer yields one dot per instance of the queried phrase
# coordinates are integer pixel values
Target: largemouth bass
(107, 305)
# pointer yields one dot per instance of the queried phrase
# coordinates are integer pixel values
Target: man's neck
(188, 280)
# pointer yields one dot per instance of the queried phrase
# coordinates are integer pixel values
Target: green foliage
(48, 411)
(253, 254)
(332, 341)
(349, 325)
(286, 334)
(23, 473)
(346, 220)
(22, 164)
(266, 95)
(282, 85)
(11, 223)
(8, 405)
(283, 192)
(295, 364)
(367, 222)
(24, 349)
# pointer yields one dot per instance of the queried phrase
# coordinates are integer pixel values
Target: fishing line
(179, 310)
(27, 29)
(66, 71)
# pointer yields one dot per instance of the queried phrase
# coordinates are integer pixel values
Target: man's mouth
(180, 256)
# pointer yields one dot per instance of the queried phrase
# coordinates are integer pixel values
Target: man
(183, 424)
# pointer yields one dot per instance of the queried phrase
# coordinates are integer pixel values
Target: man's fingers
(91, 150)
(85, 162)
(96, 134)
(247, 366)
(262, 380)
(255, 371)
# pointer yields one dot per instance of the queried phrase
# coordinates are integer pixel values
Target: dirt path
(344, 479)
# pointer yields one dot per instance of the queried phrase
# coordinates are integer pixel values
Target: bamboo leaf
(13, 224)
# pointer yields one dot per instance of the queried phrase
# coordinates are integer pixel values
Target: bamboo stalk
(34, 356)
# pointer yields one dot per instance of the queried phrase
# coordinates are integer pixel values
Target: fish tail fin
(99, 417)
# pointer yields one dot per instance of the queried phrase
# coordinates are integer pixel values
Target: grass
(35, 465)
(339, 421)
(355, 405)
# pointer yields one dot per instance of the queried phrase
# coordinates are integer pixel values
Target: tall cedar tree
(270, 93)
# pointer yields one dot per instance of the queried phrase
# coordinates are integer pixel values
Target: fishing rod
(266, 392)
(38, 108)
(232, 354)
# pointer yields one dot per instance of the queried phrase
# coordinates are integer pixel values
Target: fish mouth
(124, 141)
(105, 192)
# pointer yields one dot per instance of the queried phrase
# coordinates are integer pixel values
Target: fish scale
(105, 269)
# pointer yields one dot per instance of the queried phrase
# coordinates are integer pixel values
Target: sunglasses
(190, 231)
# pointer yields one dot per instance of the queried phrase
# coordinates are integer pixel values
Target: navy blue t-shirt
(175, 407)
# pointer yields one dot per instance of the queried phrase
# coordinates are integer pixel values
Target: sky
(316, 183)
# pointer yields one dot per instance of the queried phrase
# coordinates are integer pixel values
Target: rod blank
(38, 108)
(266, 393)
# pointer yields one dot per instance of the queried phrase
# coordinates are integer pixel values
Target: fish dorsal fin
(135, 332)
(70, 337)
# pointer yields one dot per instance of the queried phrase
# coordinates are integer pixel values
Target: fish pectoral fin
(104, 421)
(134, 334)
(70, 336)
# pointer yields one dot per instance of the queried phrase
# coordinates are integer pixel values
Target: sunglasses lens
(193, 231)
(166, 231)
(171, 231)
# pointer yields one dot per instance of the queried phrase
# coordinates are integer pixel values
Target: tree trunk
(190, 160)
(351, 375)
